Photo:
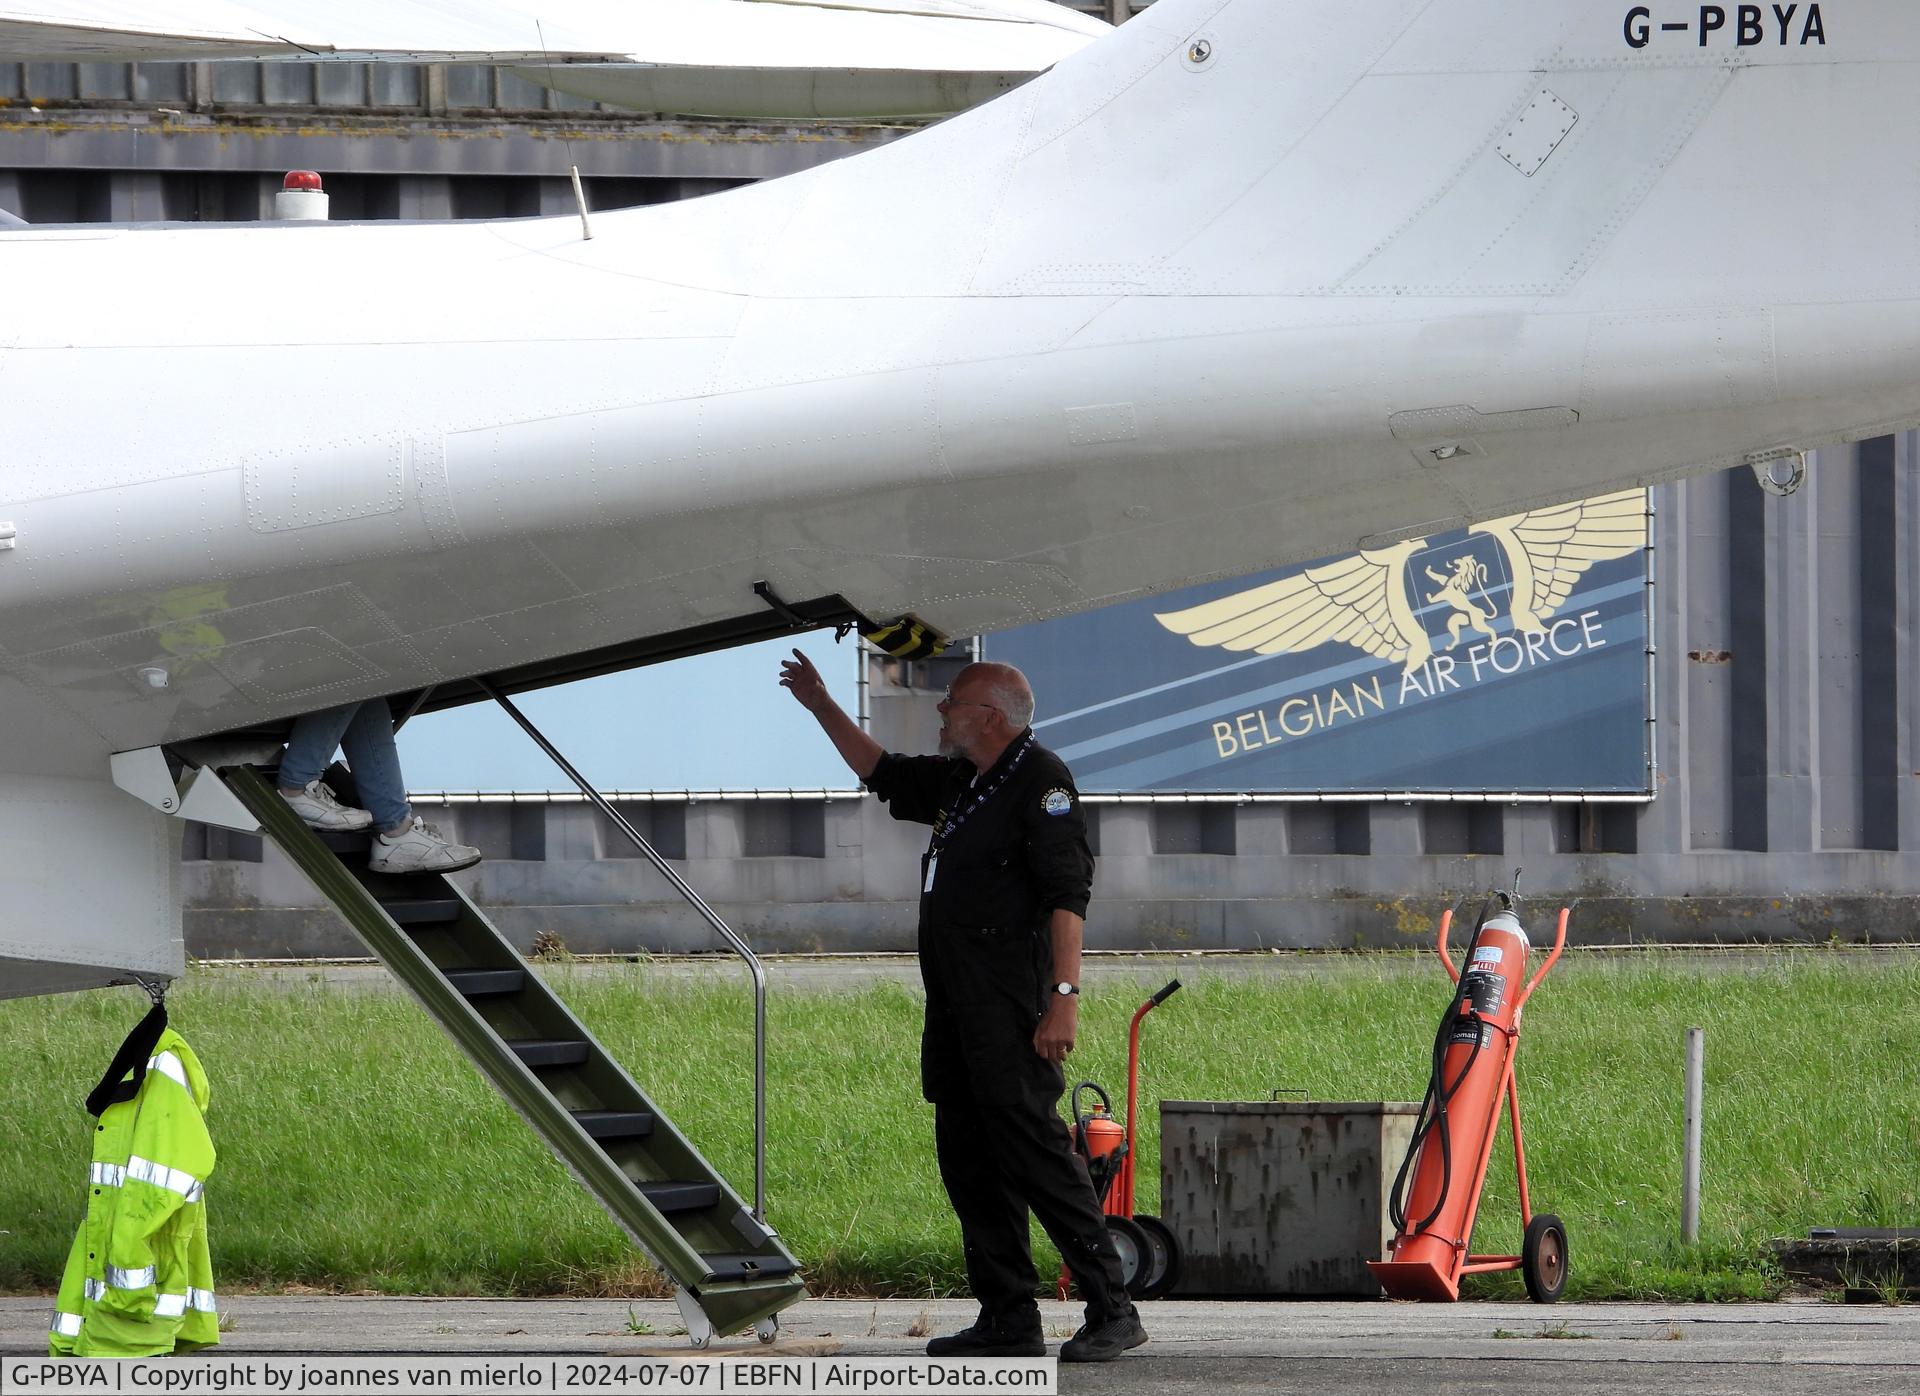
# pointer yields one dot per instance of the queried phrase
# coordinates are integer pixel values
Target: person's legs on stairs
(310, 747)
(375, 759)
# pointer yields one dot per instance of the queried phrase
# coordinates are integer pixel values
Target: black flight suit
(1002, 865)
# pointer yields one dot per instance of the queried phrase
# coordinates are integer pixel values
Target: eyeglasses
(949, 701)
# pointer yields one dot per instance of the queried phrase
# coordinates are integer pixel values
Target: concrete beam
(538, 147)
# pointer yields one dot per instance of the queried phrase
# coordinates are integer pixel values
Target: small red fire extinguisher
(1098, 1137)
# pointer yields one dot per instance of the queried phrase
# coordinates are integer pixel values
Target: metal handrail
(699, 904)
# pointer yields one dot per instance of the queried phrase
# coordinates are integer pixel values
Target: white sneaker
(316, 805)
(419, 848)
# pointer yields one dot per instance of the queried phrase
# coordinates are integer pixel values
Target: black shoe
(987, 1339)
(1105, 1341)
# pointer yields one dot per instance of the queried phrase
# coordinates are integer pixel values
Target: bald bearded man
(1004, 886)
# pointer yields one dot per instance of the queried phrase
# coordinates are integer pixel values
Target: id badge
(933, 863)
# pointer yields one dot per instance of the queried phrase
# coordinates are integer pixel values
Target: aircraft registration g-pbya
(1239, 283)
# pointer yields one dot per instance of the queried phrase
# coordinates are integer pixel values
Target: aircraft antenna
(579, 193)
(580, 198)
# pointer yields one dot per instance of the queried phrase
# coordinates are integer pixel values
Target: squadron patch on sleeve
(1056, 801)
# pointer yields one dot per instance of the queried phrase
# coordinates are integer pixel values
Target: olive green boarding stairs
(730, 1268)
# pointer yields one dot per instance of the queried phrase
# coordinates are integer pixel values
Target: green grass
(359, 1152)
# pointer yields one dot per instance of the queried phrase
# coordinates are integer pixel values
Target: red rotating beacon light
(301, 198)
(1437, 1193)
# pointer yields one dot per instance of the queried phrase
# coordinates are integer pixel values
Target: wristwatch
(1066, 990)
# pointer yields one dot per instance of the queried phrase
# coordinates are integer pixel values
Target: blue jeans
(366, 729)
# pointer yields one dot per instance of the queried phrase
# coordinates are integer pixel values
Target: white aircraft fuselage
(1240, 284)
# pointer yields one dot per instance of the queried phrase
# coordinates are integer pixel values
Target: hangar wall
(1787, 801)
(143, 142)
(140, 142)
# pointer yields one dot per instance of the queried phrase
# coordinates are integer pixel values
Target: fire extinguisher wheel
(1543, 1258)
(1163, 1258)
(1136, 1252)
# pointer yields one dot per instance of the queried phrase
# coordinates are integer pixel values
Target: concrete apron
(1196, 1345)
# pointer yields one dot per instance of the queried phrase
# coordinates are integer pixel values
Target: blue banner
(1508, 657)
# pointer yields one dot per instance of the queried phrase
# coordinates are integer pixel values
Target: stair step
(485, 983)
(680, 1197)
(749, 1267)
(615, 1124)
(426, 911)
(543, 1051)
(343, 841)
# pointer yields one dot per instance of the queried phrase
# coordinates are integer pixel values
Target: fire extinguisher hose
(1433, 1113)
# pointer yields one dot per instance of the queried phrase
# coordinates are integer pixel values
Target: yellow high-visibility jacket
(139, 1280)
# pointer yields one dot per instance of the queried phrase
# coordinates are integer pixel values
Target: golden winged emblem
(1361, 600)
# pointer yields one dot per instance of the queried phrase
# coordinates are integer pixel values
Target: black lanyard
(952, 817)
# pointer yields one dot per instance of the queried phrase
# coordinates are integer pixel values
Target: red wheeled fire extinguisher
(1437, 1193)
(1149, 1251)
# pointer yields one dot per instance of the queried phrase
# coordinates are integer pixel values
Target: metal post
(712, 918)
(1690, 1169)
(1653, 649)
(862, 685)
(1118, 11)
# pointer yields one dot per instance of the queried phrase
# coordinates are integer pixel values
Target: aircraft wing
(739, 58)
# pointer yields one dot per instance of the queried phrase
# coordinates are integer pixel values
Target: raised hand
(803, 681)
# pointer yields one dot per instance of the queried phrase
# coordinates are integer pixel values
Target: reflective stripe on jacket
(139, 1279)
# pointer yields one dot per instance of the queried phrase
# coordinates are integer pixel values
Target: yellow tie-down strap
(909, 637)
